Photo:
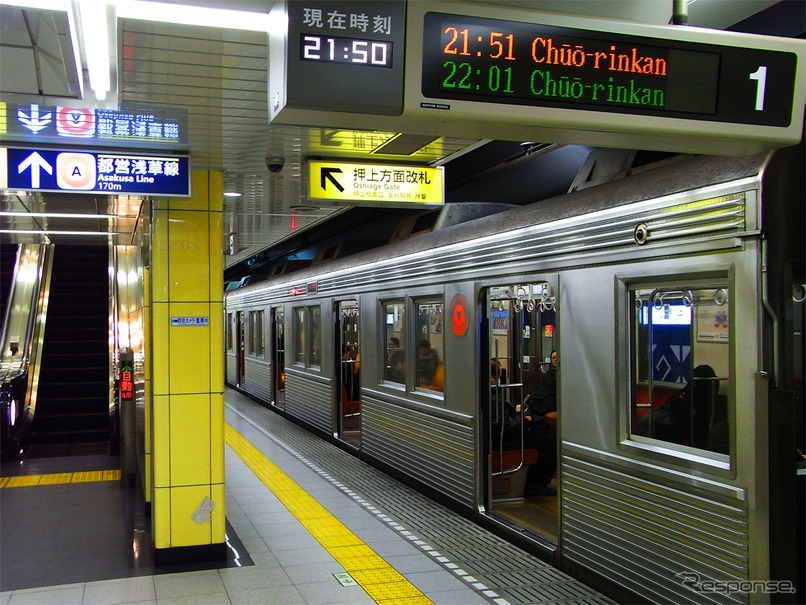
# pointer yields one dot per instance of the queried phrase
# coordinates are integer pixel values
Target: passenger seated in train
(537, 435)
(427, 362)
(695, 416)
(395, 361)
(544, 399)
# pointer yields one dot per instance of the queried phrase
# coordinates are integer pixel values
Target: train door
(240, 350)
(348, 389)
(522, 444)
(278, 357)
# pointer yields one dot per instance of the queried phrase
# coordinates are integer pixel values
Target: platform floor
(331, 530)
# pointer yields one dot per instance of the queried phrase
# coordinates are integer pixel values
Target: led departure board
(499, 61)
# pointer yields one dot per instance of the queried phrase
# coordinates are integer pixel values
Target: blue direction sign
(100, 172)
(190, 321)
(132, 125)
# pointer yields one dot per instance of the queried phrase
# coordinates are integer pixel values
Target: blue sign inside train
(81, 171)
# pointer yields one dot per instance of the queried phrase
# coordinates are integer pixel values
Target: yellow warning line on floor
(381, 581)
(57, 478)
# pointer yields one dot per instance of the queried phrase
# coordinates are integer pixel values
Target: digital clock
(354, 51)
(496, 61)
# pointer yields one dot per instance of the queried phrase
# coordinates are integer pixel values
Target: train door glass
(278, 357)
(349, 372)
(521, 332)
(240, 351)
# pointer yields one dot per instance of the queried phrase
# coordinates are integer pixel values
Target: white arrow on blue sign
(33, 121)
(81, 170)
(35, 162)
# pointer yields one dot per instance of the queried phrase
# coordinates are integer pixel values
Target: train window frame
(685, 284)
(306, 336)
(229, 333)
(298, 334)
(384, 351)
(315, 326)
(433, 308)
(257, 333)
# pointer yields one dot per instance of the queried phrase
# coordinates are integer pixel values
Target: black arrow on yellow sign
(327, 175)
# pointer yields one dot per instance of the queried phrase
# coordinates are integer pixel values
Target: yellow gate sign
(371, 184)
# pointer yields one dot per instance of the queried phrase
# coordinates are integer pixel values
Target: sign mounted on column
(375, 184)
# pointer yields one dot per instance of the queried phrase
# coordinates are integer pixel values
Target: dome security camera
(274, 164)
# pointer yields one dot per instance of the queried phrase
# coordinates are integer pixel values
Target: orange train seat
(510, 487)
(439, 379)
(513, 457)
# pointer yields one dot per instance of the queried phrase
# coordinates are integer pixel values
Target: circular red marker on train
(460, 318)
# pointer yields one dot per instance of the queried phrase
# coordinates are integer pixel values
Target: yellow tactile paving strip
(381, 581)
(57, 478)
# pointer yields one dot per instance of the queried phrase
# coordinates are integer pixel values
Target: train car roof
(676, 175)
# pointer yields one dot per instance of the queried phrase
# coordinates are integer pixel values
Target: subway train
(674, 300)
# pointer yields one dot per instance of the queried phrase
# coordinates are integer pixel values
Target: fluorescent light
(54, 5)
(231, 194)
(60, 215)
(95, 32)
(182, 14)
(49, 232)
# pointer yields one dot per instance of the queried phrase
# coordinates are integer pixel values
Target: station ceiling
(218, 75)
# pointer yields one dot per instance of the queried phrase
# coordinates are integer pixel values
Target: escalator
(72, 412)
(21, 334)
(54, 362)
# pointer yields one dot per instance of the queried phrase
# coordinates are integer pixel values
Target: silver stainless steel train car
(675, 299)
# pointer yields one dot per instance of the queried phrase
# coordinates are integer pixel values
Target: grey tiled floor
(292, 568)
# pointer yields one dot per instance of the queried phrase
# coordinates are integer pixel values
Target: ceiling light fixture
(182, 14)
(94, 19)
(63, 215)
(54, 5)
(49, 232)
(231, 194)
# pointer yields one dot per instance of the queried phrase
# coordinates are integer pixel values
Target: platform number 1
(760, 76)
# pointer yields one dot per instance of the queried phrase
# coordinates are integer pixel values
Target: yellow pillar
(187, 419)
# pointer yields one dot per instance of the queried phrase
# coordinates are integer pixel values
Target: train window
(680, 366)
(316, 336)
(257, 342)
(430, 349)
(394, 316)
(299, 335)
(308, 336)
(228, 332)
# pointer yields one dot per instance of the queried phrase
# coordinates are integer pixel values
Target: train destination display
(493, 72)
(496, 61)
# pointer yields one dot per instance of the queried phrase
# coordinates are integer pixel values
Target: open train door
(348, 379)
(278, 357)
(520, 340)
